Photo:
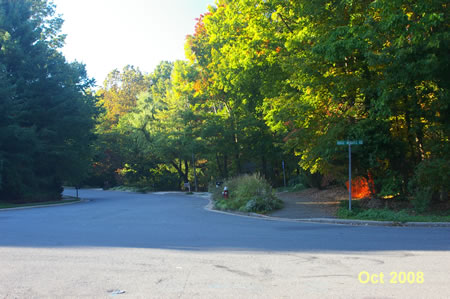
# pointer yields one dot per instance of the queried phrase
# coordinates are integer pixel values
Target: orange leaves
(362, 187)
(198, 86)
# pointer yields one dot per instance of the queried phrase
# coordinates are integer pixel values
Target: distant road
(168, 245)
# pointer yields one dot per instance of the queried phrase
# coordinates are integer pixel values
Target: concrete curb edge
(209, 207)
(46, 206)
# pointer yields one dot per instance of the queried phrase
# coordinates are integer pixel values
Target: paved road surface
(310, 203)
(169, 246)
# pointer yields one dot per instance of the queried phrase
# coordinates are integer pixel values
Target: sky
(110, 34)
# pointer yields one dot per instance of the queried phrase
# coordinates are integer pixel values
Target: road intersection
(166, 245)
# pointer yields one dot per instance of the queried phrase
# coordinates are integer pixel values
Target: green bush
(431, 177)
(297, 188)
(305, 180)
(247, 193)
(386, 214)
(391, 184)
(422, 199)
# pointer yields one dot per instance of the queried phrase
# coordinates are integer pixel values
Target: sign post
(349, 143)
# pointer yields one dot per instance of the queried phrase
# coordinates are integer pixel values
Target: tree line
(273, 82)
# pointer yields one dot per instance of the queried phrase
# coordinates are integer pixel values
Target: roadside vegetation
(138, 189)
(6, 205)
(247, 193)
(403, 212)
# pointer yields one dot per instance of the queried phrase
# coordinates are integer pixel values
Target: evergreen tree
(47, 112)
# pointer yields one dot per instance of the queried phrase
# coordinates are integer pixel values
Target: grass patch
(247, 193)
(6, 205)
(405, 215)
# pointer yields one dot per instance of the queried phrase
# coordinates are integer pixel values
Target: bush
(431, 180)
(247, 193)
(305, 180)
(391, 184)
(432, 175)
(422, 199)
(385, 214)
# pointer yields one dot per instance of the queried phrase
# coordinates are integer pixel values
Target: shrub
(247, 193)
(431, 177)
(391, 184)
(422, 199)
(307, 180)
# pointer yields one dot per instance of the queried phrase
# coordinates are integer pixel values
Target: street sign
(349, 142)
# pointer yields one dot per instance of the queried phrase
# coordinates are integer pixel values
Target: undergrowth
(247, 193)
(404, 215)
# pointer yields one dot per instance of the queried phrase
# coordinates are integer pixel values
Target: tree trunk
(264, 166)
(186, 171)
(237, 154)
(182, 175)
(222, 175)
(410, 137)
(225, 165)
(195, 172)
(419, 142)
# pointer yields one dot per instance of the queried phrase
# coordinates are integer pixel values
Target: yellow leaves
(410, 15)
(260, 53)
(331, 72)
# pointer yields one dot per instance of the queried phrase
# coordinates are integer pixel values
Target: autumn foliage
(362, 187)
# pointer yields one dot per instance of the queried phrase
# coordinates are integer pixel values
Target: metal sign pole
(349, 177)
(284, 175)
(349, 143)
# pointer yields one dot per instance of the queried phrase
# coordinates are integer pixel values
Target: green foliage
(431, 179)
(386, 214)
(390, 184)
(422, 199)
(247, 193)
(7, 205)
(389, 215)
(46, 114)
(271, 81)
(432, 174)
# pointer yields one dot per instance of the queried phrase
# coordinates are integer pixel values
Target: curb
(210, 207)
(374, 223)
(45, 206)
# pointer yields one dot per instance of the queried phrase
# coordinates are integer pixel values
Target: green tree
(235, 79)
(48, 116)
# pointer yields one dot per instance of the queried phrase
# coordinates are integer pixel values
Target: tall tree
(45, 131)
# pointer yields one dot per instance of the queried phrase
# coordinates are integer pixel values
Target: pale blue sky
(109, 34)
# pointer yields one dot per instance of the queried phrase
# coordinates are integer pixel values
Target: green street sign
(351, 142)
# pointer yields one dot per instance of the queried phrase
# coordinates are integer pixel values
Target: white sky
(109, 34)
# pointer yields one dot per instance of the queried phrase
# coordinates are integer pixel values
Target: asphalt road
(169, 246)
